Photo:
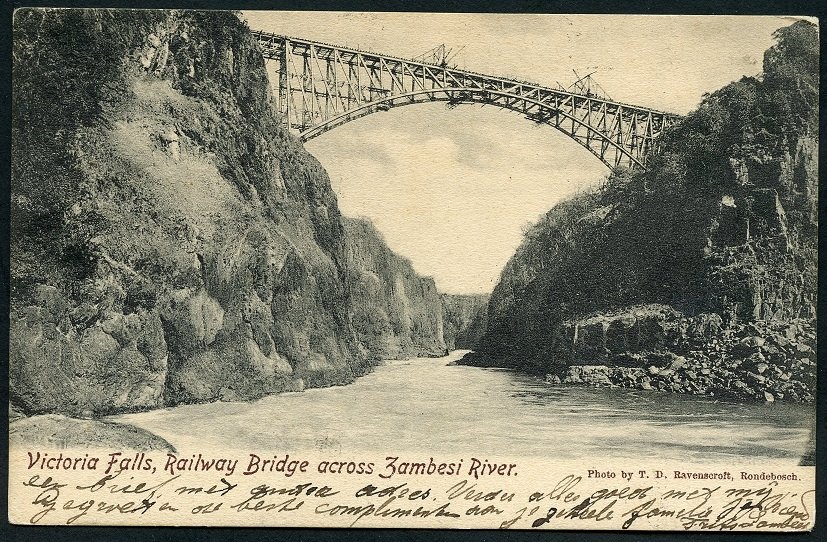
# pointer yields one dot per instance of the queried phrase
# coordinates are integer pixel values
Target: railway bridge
(322, 86)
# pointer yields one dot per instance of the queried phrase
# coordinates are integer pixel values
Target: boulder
(677, 362)
(54, 431)
(748, 345)
(553, 379)
(87, 372)
(588, 374)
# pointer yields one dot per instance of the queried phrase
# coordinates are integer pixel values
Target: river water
(431, 406)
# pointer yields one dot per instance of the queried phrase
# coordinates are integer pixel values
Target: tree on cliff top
(758, 117)
(791, 76)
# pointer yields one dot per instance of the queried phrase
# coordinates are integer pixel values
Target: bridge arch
(470, 96)
(322, 86)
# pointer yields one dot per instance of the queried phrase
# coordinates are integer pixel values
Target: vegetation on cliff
(396, 313)
(172, 242)
(723, 222)
(463, 319)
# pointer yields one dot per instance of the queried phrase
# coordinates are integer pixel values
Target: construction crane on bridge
(439, 55)
(586, 85)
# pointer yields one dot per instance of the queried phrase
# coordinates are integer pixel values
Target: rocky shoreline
(757, 361)
(655, 347)
(53, 431)
(57, 431)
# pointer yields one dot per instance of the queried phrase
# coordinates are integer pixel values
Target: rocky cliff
(463, 318)
(172, 242)
(396, 313)
(710, 255)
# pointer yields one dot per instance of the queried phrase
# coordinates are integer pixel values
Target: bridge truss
(323, 86)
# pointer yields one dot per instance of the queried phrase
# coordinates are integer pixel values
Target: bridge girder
(323, 86)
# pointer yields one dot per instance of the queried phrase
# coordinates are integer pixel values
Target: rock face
(762, 361)
(121, 362)
(396, 313)
(463, 318)
(172, 242)
(604, 337)
(716, 238)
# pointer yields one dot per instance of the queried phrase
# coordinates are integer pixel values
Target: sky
(453, 190)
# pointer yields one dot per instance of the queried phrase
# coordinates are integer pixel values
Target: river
(431, 406)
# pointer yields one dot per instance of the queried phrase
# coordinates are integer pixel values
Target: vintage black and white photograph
(348, 269)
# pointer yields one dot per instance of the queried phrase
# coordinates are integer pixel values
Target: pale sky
(452, 190)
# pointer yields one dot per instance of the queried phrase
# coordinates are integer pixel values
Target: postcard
(414, 270)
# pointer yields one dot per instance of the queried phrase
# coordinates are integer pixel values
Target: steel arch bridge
(322, 86)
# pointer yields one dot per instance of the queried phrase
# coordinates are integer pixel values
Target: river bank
(752, 362)
(53, 430)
